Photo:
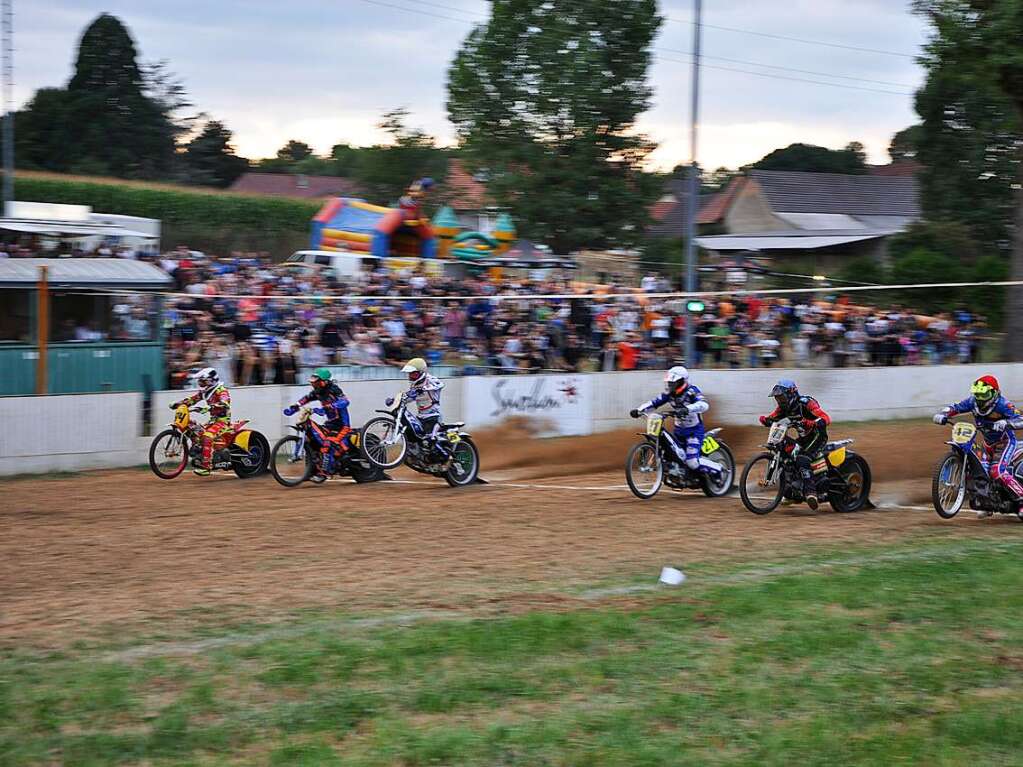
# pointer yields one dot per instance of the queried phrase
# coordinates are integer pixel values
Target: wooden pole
(42, 329)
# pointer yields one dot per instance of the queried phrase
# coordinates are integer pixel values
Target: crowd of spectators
(285, 320)
(257, 322)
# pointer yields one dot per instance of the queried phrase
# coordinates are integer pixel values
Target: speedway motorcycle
(297, 457)
(657, 461)
(773, 475)
(246, 452)
(963, 475)
(394, 437)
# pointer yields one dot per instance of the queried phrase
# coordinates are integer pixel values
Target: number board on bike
(962, 433)
(181, 417)
(654, 424)
(709, 445)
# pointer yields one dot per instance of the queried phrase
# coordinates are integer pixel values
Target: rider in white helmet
(688, 405)
(219, 400)
(425, 393)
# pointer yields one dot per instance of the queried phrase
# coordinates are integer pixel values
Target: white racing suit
(688, 408)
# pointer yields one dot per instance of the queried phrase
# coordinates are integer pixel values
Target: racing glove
(634, 413)
(290, 410)
(940, 418)
(765, 420)
(174, 405)
(319, 411)
(809, 424)
(1000, 425)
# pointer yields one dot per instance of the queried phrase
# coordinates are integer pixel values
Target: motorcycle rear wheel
(856, 473)
(465, 463)
(948, 485)
(173, 462)
(256, 458)
(722, 486)
(757, 497)
(289, 470)
(644, 470)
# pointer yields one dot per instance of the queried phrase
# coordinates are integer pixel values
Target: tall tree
(905, 144)
(816, 159)
(108, 122)
(971, 144)
(210, 158)
(546, 96)
(294, 151)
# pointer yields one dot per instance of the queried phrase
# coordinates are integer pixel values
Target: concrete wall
(90, 431)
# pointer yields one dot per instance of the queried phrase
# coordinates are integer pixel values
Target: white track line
(519, 485)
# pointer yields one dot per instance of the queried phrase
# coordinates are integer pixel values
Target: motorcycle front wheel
(644, 470)
(290, 463)
(381, 445)
(761, 494)
(168, 454)
(948, 485)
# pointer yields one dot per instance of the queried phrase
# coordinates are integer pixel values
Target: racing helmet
(785, 393)
(676, 380)
(985, 393)
(320, 378)
(207, 379)
(416, 369)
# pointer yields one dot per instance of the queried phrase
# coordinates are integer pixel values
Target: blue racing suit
(1000, 443)
(336, 428)
(688, 407)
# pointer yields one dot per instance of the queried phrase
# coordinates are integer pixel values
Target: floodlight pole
(7, 41)
(694, 182)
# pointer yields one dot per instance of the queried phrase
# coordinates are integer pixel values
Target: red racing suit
(219, 400)
(812, 423)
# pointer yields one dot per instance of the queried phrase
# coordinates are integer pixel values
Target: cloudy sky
(323, 71)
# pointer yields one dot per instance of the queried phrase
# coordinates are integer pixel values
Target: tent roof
(83, 272)
(795, 240)
(64, 228)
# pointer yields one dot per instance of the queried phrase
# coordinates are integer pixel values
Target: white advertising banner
(556, 405)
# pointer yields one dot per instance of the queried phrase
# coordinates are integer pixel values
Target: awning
(65, 229)
(783, 241)
(83, 273)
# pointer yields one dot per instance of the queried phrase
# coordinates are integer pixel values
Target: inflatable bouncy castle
(356, 225)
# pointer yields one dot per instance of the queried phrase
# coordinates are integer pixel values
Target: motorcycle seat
(456, 425)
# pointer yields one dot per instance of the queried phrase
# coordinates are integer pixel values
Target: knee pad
(819, 466)
(693, 463)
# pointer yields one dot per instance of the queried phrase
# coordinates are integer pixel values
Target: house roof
(718, 205)
(671, 212)
(900, 168)
(463, 191)
(83, 272)
(295, 185)
(866, 195)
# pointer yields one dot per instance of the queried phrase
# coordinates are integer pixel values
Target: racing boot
(202, 471)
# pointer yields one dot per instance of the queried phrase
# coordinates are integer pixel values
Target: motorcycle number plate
(354, 438)
(453, 436)
(709, 445)
(181, 417)
(962, 433)
(654, 425)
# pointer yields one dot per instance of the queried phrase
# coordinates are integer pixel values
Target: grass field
(904, 655)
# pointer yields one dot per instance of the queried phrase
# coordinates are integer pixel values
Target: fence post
(42, 330)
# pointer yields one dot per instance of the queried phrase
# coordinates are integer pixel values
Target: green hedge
(268, 217)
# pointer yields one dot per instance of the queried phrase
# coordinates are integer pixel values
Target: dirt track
(121, 548)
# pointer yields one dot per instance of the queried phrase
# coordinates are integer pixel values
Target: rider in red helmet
(996, 419)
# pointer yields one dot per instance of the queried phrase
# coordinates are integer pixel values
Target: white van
(342, 263)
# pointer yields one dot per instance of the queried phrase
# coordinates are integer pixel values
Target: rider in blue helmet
(811, 422)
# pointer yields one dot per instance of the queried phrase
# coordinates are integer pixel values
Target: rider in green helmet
(334, 406)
